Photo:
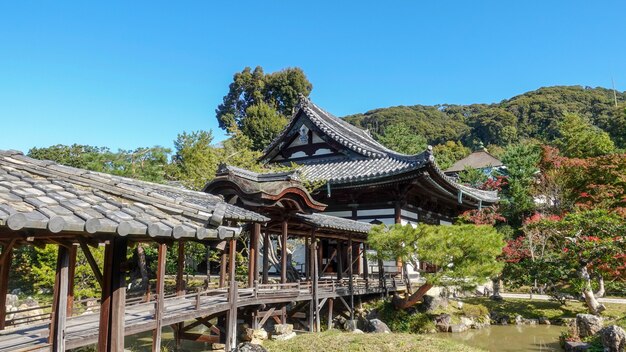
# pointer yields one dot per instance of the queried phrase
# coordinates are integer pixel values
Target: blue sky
(131, 74)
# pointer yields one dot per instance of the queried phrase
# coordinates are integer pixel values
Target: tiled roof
(478, 160)
(347, 171)
(36, 194)
(335, 223)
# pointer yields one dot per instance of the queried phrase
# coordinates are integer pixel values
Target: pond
(512, 338)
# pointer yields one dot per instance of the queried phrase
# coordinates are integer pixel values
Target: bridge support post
(231, 321)
(113, 302)
(253, 272)
(180, 289)
(266, 259)
(314, 311)
(60, 299)
(70, 284)
(350, 284)
(5, 267)
(160, 291)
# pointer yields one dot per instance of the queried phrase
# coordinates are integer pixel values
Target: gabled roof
(43, 195)
(334, 223)
(479, 159)
(340, 131)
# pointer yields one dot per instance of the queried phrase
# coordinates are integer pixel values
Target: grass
(335, 341)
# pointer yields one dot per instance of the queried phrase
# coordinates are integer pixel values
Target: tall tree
(196, 160)
(494, 126)
(450, 152)
(579, 138)
(262, 97)
(401, 138)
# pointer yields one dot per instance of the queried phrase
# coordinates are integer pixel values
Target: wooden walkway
(82, 330)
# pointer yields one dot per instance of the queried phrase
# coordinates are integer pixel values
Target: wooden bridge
(199, 307)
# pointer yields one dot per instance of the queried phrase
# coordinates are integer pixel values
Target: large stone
(467, 321)
(588, 324)
(247, 334)
(259, 334)
(576, 346)
(613, 338)
(12, 300)
(544, 321)
(249, 347)
(442, 322)
(284, 337)
(377, 326)
(431, 303)
(458, 328)
(283, 329)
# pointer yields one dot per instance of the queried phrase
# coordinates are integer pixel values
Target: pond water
(511, 338)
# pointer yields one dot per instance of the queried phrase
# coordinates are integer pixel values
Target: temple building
(480, 159)
(353, 176)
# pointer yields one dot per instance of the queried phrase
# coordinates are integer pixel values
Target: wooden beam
(283, 253)
(92, 261)
(266, 316)
(330, 313)
(266, 259)
(366, 268)
(180, 268)
(340, 260)
(5, 267)
(59, 304)
(231, 322)
(113, 302)
(160, 292)
(253, 273)
(350, 283)
(314, 272)
(70, 284)
(223, 264)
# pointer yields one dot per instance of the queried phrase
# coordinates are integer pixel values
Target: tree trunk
(592, 303)
(143, 267)
(404, 303)
(600, 292)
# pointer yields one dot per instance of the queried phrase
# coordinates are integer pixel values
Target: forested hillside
(534, 114)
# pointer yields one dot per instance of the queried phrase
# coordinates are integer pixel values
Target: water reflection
(512, 338)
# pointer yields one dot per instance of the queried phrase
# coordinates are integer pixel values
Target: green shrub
(475, 310)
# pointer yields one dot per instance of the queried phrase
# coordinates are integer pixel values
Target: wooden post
(283, 253)
(223, 269)
(366, 268)
(231, 321)
(70, 284)
(350, 284)
(60, 299)
(339, 260)
(5, 268)
(307, 258)
(180, 269)
(314, 269)
(160, 291)
(113, 302)
(330, 313)
(266, 259)
(253, 273)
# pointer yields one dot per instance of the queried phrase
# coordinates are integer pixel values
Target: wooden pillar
(223, 269)
(359, 257)
(340, 265)
(253, 273)
(315, 275)
(231, 321)
(350, 284)
(5, 267)
(283, 253)
(113, 302)
(266, 259)
(180, 269)
(307, 258)
(160, 292)
(70, 284)
(330, 313)
(59, 303)
(366, 267)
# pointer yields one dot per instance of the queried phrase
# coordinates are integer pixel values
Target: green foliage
(472, 177)
(476, 311)
(449, 152)
(578, 138)
(400, 320)
(142, 163)
(465, 255)
(266, 99)
(262, 124)
(196, 160)
(494, 126)
(400, 138)
(522, 162)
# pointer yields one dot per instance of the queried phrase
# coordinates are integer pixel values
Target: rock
(218, 347)
(588, 324)
(442, 322)
(467, 321)
(31, 302)
(283, 337)
(544, 321)
(575, 346)
(377, 326)
(249, 347)
(259, 334)
(519, 320)
(283, 329)
(351, 325)
(357, 331)
(458, 328)
(12, 300)
(613, 338)
(247, 334)
(459, 304)
(431, 303)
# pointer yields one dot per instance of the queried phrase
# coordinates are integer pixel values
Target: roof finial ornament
(429, 153)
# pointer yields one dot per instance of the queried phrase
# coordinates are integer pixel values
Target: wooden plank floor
(82, 330)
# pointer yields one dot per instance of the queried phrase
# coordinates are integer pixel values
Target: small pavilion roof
(43, 195)
(334, 223)
(479, 159)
